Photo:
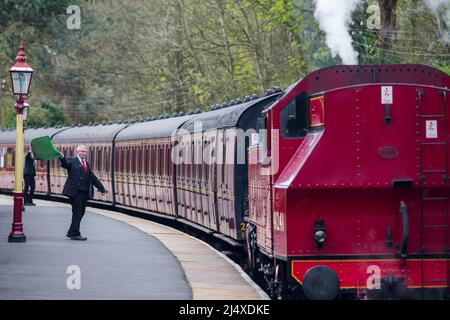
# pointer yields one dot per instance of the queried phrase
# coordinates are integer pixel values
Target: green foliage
(48, 114)
(444, 68)
(137, 58)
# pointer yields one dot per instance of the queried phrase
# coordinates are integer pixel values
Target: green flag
(43, 149)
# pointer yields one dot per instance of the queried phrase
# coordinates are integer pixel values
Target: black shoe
(30, 204)
(79, 238)
(68, 235)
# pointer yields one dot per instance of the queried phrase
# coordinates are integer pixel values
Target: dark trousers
(78, 203)
(30, 185)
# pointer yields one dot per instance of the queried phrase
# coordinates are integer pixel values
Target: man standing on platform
(30, 183)
(79, 187)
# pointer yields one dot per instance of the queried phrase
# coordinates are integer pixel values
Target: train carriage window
(224, 154)
(155, 160)
(152, 160)
(187, 155)
(2, 157)
(122, 160)
(200, 161)
(140, 160)
(137, 161)
(156, 150)
(193, 168)
(166, 160)
(146, 160)
(107, 159)
(210, 157)
(163, 161)
(160, 161)
(9, 157)
(294, 118)
(128, 160)
(194, 161)
(181, 162)
(99, 159)
(143, 164)
(149, 160)
(116, 159)
(185, 161)
(133, 160)
(169, 162)
(92, 157)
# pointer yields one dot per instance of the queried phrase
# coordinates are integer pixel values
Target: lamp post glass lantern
(21, 74)
(21, 79)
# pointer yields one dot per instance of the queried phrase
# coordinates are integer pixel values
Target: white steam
(441, 9)
(333, 17)
(435, 4)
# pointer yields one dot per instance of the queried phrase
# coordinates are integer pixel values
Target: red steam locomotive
(336, 188)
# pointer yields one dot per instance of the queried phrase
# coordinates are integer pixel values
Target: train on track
(336, 188)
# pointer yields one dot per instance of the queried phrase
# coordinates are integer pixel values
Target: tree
(388, 23)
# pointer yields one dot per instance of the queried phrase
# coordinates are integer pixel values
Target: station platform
(124, 258)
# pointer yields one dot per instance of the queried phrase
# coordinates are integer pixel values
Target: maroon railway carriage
(143, 165)
(350, 194)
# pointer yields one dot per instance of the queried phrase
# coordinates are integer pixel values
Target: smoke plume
(333, 17)
(434, 4)
(441, 9)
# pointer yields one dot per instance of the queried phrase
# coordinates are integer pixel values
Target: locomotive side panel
(259, 198)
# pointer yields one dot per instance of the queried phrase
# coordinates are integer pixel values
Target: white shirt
(81, 161)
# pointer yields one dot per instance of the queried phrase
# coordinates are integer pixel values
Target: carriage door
(434, 164)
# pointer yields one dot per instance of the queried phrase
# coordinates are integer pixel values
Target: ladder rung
(440, 226)
(432, 116)
(438, 280)
(436, 198)
(433, 143)
(434, 171)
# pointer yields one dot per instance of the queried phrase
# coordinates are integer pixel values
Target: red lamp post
(21, 74)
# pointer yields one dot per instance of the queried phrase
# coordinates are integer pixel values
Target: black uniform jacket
(29, 166)
(78, 179)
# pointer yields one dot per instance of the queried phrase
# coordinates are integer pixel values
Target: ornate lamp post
(21, 74)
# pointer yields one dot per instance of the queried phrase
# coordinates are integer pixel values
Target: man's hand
(103, 193)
